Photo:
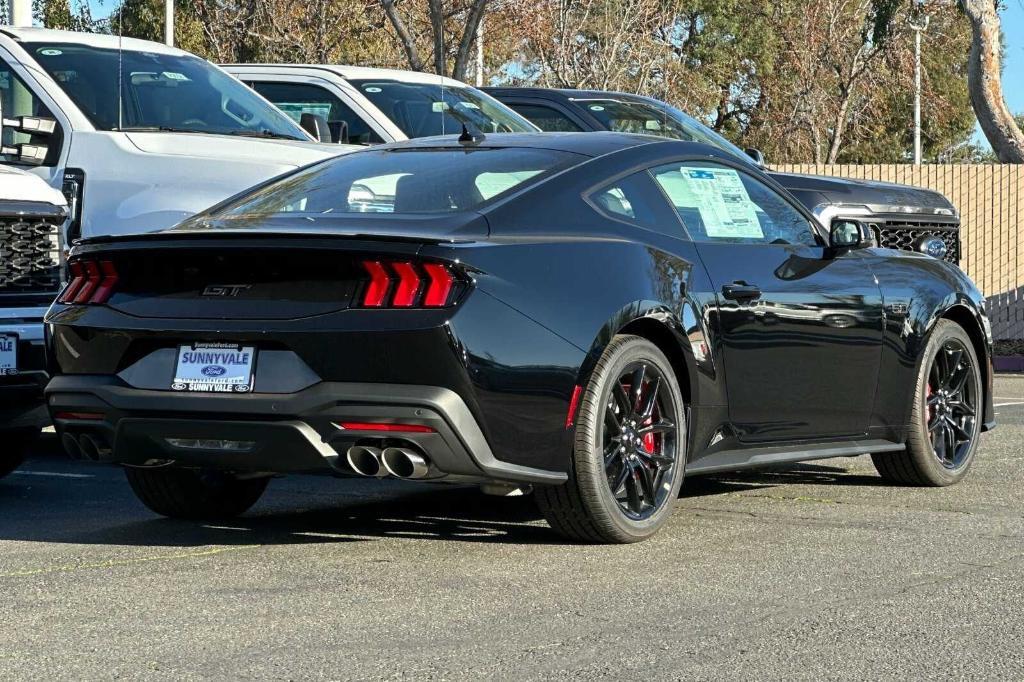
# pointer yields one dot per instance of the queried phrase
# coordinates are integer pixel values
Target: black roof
(596, 143)
(568, 93)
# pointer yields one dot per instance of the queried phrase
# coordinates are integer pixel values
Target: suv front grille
(29, 255)
(906, 235)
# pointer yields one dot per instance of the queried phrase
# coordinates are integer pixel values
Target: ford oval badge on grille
(932, 246)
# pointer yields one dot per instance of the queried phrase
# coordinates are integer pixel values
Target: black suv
(900, 216)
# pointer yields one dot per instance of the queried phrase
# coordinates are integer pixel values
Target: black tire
(15, 447)
(195, 495)
(925, 463)
(585, 508)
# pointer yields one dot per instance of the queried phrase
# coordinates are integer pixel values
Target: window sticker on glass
(723, 202)
(175, 76)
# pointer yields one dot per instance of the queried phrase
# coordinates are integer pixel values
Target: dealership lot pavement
(816, 571)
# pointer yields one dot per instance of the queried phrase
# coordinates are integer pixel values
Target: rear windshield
(440, 180)
(424, 109)
(160, 93)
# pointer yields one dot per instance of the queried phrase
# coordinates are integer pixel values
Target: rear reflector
(390, 428)
(401, 284)
(91, 282)
(574, 404)
(79, 416)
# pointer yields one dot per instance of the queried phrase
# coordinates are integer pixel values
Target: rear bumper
(290, 433)
(21, 395)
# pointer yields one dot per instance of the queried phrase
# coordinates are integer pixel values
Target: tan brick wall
(990, 201)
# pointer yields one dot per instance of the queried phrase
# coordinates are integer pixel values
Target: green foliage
(60, 14)
(144, 19)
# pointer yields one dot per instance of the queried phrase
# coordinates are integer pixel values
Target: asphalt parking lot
(816, 571)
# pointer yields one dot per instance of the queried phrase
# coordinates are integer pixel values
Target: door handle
(741, 291)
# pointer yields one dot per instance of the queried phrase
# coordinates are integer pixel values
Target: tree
(984, 80)
(60, 14)
(145, 19)
(460, 21)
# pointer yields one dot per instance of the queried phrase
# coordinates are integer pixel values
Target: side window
(635, 199)
(296, 99)
(16, 99)
(546, 118)
(721, 204)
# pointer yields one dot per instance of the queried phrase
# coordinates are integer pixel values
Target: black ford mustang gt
(594, 315)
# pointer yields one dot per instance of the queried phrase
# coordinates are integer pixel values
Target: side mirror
(757, 155)
(28, 154)
(31, 125)
(316, 125)
(849, 234)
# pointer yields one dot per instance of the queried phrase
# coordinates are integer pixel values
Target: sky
(1013, 59)
(1013, 72)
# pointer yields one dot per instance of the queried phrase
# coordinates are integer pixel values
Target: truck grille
(29, 255)
(906, 235)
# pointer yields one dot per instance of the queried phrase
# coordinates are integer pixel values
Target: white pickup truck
(366, 106)
(31, 215)
(144, 134)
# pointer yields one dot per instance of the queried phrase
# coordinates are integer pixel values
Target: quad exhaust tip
(405, 463)
(71, 446)
(399, 462)
(365, 460)
(92, 449)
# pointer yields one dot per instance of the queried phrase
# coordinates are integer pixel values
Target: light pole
(21, 13)
(169, 22)
(918, 23)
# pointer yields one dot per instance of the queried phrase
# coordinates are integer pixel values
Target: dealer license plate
(214, 368)
(8, 354)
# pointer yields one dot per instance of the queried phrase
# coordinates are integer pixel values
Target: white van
(145, 134)
(367, 106)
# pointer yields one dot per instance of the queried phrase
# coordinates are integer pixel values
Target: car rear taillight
(91, 282)
(403, 284)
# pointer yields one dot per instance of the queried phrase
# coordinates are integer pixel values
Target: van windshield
(159, 92)
(396, 181)
(426, 109)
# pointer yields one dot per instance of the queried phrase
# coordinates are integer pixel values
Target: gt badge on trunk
(214, 368)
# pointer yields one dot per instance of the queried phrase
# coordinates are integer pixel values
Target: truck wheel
(191, 494)
(14, 449)
(629, 452)
(945, 416)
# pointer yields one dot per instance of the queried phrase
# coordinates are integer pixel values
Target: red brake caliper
(928, 397)
(649, 438)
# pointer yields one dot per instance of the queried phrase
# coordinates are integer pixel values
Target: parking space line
(1008, 404)
(54, 474)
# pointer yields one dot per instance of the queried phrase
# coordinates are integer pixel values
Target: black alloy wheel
(945, 414)
(951, 404)
(639, 429)
(630, 449)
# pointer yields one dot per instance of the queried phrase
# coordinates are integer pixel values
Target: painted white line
(1007, 404)
(53, 474)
